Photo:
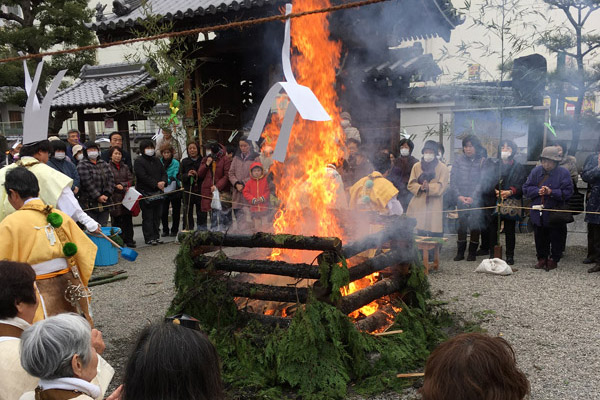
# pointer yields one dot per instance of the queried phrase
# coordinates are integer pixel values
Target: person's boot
(461, 246)
(541, 264)
(510, 259)
(595, 268)
(472, 251)
(551, 264)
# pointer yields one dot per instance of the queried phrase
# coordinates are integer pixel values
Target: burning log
(282, 268)
(400, 230)
(380, 262)
(364, 296)
(377, 320)
(267, 292)
(261, 239)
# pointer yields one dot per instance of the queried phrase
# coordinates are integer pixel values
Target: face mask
(428, 157)
(59, 156)
(404, 152)
(505, 155)
(16, 156)
(149, 152)
(79, 157)
(92, 155)
(345, 123)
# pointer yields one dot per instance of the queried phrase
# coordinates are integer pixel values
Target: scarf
(71, 384)
(428, 169)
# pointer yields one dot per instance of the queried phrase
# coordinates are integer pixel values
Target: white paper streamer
(302, 100)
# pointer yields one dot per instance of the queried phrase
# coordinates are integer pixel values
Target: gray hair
(48, 346)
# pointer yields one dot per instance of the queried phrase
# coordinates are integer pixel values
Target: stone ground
(550, 318)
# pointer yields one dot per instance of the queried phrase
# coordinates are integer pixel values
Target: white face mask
(92, 155)
(404, 152)
(505, 154)
(428, 157)
(345, 123)
(208, 153)
(79, 157)
(16, 155)
(59, 156)
(149, 152)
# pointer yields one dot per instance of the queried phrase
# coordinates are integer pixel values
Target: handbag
(560, 217)
(510, 208)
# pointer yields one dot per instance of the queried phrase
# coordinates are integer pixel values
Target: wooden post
(81, 125)
(441, 133)
(189, 111)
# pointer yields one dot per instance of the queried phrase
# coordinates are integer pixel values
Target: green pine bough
(321, 353)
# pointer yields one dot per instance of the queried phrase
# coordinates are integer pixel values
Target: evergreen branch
(12, 17)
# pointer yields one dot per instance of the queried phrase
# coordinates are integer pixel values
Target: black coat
(187, 165)
(148, 172)
(591, 175)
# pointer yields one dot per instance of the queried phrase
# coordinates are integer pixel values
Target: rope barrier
(458, 210)
(196, 31)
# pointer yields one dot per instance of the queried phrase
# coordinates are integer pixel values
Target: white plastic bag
(495, 266)
(216, 201)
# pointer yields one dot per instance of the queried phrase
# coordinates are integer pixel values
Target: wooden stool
(428, 243)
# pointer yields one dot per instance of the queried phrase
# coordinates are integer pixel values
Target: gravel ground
(550, 318)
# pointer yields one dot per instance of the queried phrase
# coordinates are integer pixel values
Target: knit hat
(551, 153)
(77, 148)
(345, 115)
(431, 145)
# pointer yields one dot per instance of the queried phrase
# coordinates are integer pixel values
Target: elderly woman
(18, 303)
(59, 351)
(508, 189)
(189, 179)
(428, 182)
(548, 186)
(239, 175)
(474, 366)
(121, 217)
(172, 362)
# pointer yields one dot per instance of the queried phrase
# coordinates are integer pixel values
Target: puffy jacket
(172, 172)
(217, 174)
(256, 191)
(96, 180)
(188, 164)
(465, 176)
(148, 172)
(66, 167)
(559, 180)
(591, 175)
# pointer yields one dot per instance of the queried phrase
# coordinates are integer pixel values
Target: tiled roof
(174, 10)
(103, 85)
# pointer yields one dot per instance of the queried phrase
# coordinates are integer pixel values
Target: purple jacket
(559, 180)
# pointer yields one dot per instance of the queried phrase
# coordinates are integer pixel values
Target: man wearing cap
(549, 187)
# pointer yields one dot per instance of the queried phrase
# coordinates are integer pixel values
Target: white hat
(77, 148)
(53, 138)
(35, 123)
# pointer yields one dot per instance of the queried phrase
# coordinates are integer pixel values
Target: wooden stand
(425, 244)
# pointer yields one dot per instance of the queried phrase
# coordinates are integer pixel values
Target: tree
(34, 26)
(575, 41)
(171, 62)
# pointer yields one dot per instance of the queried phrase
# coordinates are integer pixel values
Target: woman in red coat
(213, 173)
(256, 192)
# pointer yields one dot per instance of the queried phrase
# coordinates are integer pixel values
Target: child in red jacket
(256, 191)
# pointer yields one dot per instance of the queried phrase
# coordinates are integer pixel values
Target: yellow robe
(379, 195)
(51, 181)
(21, 241)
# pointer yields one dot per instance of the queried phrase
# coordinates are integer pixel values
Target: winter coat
(559, 180)
(256, 191)
(125, 160)
(465, 178)
(570, 164)
(217, 174)
(66, 167)
(188, 164)
(172, 176)
(123, 176)
(96, 180)
(591, 175)
(240, 173)
(148, 172)
(427, 207)
(399, 175)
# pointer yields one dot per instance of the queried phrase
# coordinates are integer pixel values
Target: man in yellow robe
(55, 187)
(59, 252)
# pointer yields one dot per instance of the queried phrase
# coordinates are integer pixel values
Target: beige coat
(427, 207)
(240, 172)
